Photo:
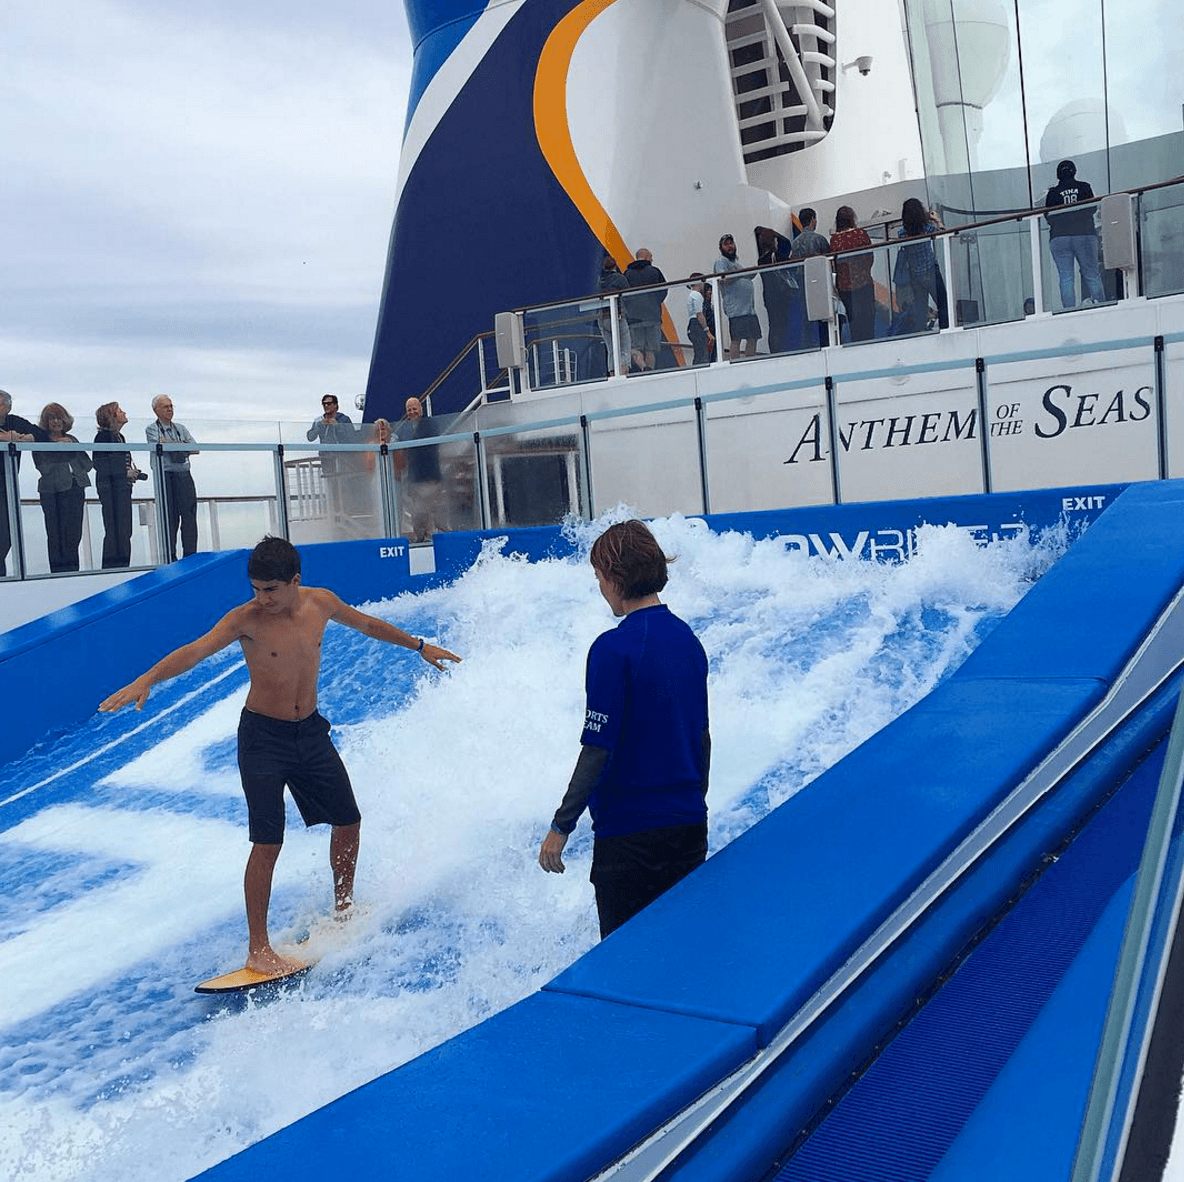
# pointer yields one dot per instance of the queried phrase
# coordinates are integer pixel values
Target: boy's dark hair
(629, 556)
(274, 560)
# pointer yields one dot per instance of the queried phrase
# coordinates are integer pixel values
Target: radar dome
(1080, 127)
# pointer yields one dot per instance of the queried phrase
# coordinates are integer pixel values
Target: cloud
(217, 176)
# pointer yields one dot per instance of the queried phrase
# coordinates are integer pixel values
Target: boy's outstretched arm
(179, 661)
(381, 630)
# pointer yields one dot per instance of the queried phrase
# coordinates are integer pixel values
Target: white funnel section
(969, 43)
(653, 125)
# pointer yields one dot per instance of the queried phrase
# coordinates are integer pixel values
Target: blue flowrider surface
(910, 1108)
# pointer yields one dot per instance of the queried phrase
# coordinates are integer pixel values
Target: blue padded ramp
(890, 811)
(1109, 587)
(903, 1115)
(520, 1098)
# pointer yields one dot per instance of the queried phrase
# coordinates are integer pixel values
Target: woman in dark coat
(62, 489)
(115, 473)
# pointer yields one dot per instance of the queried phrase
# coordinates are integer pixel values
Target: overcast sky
(196, 199)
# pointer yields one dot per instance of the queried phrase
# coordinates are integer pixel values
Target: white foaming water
(122, 873)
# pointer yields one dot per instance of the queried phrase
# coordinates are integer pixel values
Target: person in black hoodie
(1071, 235)
(612, 280)
(644, 310)
(771, 249)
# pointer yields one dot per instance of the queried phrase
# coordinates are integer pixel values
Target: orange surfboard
(243, 979)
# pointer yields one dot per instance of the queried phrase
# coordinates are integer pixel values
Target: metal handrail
(1138, 980)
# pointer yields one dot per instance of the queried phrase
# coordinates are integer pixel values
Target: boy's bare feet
(267, 960)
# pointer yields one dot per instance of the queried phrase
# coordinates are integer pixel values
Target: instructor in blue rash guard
(642, 770)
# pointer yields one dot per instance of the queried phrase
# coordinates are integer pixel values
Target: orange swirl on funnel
(554, 136)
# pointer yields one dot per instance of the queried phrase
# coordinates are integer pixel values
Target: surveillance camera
(864, 64)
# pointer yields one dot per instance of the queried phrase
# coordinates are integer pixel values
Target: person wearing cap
(1072, 236)
(739, 301)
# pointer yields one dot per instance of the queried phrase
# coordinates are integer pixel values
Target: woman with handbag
(115, 473)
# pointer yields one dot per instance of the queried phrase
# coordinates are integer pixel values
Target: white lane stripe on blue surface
(92, 755)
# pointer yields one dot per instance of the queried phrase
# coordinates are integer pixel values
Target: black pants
(631, 871)
(5, 532)
(697, 335)
(180, 509)
(115, 496)
(63, 527)
(861, 312)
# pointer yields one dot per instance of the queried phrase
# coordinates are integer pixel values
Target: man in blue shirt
(646, 747)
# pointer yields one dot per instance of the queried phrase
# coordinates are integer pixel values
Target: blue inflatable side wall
(619, 1042)
(687, 991)
(111, 638)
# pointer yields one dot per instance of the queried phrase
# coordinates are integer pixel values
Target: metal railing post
(481, 365)
(717, 310)
(832, 426)
(586, 465)
(1037, 272)
(704, 484)
(165, 543)
(613, 305)
(281, 493)
(482, 490)
(1161, 403)
(980, 381)
(947, 257)
(13, 508)
(388, 494)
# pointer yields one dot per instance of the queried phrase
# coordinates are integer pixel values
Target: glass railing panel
(1073, 275)
(1104, 410)
(1161, 240)
(235, 498)
(768, 452)
(565, 343)
(648, 461)
(863, 287)
(333, 495)
(74, 517)
(782, 288)
(534, 477)
(992, 274)
(694, 343)
(919, 440)
(435, 489)
(918, 288)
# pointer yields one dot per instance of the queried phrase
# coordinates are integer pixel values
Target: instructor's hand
(434, 654)
(130, 693)
(551, 852)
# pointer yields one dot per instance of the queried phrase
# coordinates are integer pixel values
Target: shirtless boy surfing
(282, 740)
